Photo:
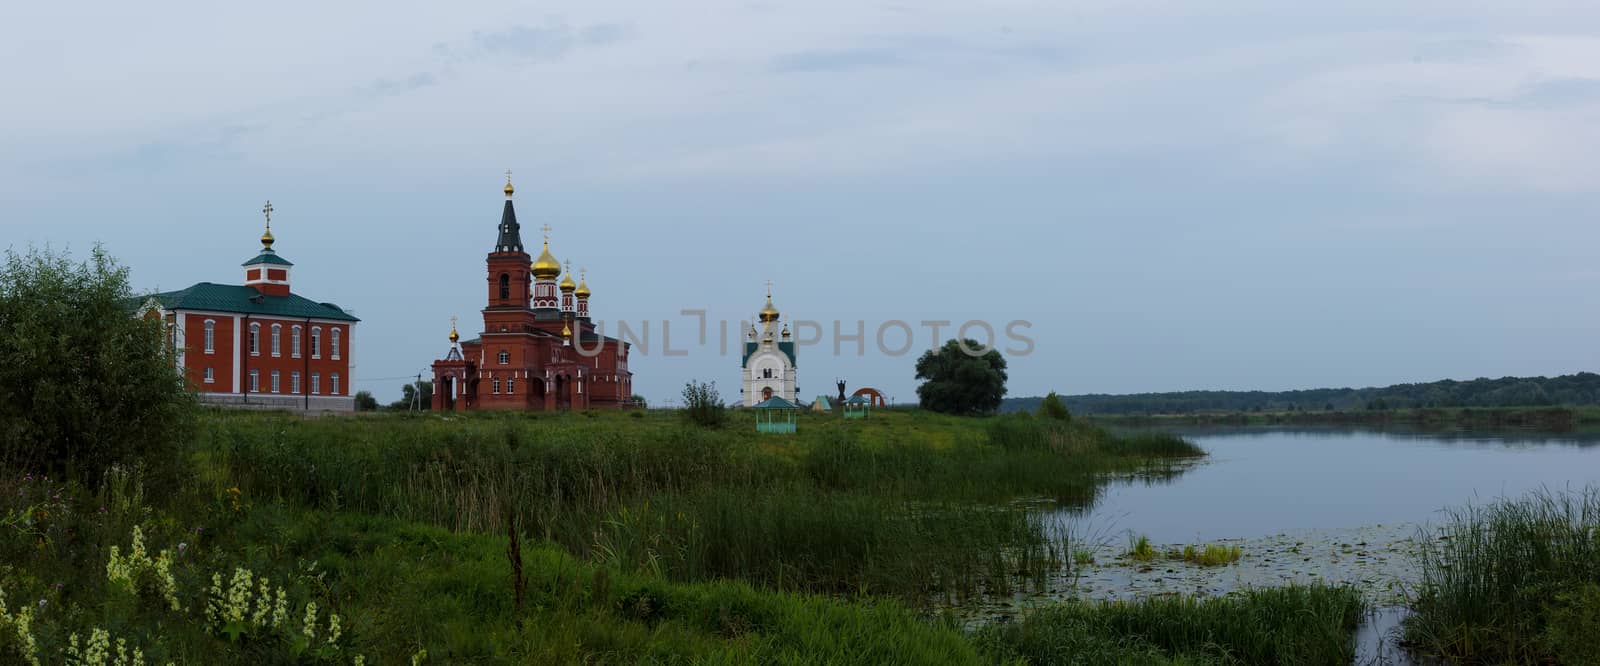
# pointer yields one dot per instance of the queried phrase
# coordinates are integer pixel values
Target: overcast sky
(1177, 196)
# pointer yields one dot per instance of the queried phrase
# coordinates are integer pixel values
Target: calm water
(1259, 482)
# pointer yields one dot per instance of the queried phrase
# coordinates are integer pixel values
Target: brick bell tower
(508, 276)
(268, 272)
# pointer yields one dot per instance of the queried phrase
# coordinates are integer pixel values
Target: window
(505, 284)
(255, 381)
(766, 373)
(335, 380)
(505, 357)
(277, 335)
(255, 339)
(334, 344)
(211, 336)
(497, 385)
(211, 376)
(294, 382)
(274, 381)
(316, 342)
(316, 383)
(294, 342)
(511, 385)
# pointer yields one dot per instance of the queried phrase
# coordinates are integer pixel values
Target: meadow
(610, 538)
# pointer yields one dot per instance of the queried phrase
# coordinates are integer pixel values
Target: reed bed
(1514, 581)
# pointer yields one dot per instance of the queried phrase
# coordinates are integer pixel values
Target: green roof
(267, 257)
(246, 300)
(750, 349)
(774, 402)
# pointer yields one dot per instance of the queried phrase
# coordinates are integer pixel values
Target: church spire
(510, 232)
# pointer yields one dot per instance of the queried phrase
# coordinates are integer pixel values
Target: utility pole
(416, 394)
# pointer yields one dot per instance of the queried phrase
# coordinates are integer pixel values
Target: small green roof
(268, 257)
(774, 402)
(856, 400)
(246, 300)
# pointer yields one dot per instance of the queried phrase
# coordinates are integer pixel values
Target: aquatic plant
(1140, 549)
(1511, 582)
(1211, 555)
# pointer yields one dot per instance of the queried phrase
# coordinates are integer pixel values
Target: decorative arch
(872, 394)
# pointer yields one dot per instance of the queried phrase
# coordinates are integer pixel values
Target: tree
(639, 401)
(84, 384)
(1052, 407)
(365, 402)
(959, 382)
(408, 397)
(702, 404)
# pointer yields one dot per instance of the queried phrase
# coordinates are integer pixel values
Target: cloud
(834, 61)
(417, 81)
(537, 43)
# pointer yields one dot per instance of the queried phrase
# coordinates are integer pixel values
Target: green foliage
(365, 402)
(83, 384)
(1582, 388)
(702, 405)
(1211, 555)
(1289, 625)
(1140, 549)
(1511, 581)
(1053, 408)
(957, 382)
(639, 401)
(414, 396)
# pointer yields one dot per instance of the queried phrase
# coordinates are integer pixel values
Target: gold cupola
(546, 267)
(454, 336)
(509, 189)
(768, 314)
(567, 285)
(266, 236)
(583, 284)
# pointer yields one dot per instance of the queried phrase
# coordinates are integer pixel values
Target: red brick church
(260, 345)
(539, 349)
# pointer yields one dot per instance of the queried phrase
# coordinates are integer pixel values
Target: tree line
(1582, 388)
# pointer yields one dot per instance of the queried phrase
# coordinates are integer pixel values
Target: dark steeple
(510, 232)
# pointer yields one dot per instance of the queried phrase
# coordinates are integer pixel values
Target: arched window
(316, 342)
(277, 334)
(505, 285)
(255, 339)
(505, 357)
(496, 384)
(333, 344)
(211, 336)
(511, 385)
(335, 383)
(294, 343)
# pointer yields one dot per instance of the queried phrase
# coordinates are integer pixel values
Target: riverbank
(1541, 419)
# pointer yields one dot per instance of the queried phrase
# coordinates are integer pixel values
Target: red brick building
(259, 344)
(539, 349)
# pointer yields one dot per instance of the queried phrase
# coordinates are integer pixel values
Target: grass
(641, 540)
(1516, 581)
(1211, 555)
(1288, 625)
(1140, 549)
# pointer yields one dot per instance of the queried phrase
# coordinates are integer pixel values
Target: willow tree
(958, 379)
(84, 384)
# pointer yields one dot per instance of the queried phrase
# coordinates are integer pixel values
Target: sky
(1167, 195)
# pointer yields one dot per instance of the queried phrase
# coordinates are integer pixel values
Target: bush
(703, 406)
(83, 383)
(1053, 408)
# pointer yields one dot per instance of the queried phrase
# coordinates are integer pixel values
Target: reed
(1515, 581)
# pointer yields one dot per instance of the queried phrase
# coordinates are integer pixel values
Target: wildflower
(280, 609)
(417, 658)
(24, 626)
(214, 600)
(361, 661)
(309, 627)
(333, 630)
(98, 647)
(260, 618)
(238, 595)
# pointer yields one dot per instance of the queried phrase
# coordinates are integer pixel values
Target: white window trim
(255, 381)
(275, 380)
(333, 343)
(277, 340)
(316, 342)
(335, 386)
(294, 341)
(294, 382)
(255, 339)
(211, 336)
(210, 376)
(316, 383)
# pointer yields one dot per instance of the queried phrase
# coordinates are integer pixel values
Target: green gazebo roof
(775, 402)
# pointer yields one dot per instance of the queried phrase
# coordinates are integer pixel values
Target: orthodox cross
(267, 211)
(546, 230)
(508, 176)
(452, 322)
(769, 288)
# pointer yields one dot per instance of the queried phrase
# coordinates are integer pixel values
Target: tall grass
(1288, 625)
(1516, 581)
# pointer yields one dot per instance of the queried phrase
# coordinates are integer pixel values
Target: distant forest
(1579, 389)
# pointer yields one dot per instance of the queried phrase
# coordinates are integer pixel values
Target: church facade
(539, 349)
(769, 360)
(259, 345)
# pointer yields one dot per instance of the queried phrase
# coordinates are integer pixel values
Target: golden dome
(454, 336)
(768, 313)
(566, 331)
(509, 188)
(546, 267)
(583, 285)
(785, 331)
(267, 239)
(566, 280)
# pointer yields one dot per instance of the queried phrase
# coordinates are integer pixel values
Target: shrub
(702, 405)
(1053, 408)
(83, 383)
